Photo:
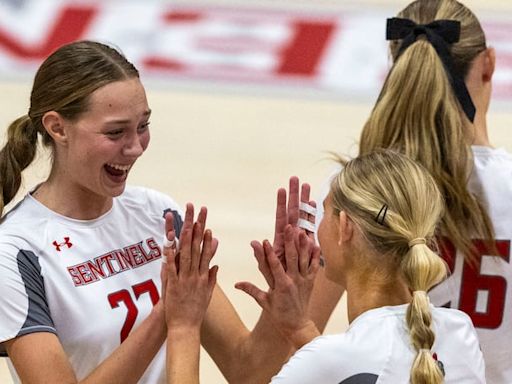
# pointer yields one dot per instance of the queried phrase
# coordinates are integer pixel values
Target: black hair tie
(440, 33)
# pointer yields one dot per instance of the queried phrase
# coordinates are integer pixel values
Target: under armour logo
(58, 245)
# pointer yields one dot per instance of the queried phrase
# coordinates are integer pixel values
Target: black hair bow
(440, 33)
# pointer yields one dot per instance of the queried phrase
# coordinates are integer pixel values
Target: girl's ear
(489, 64)
(55, 125)
(345, 228)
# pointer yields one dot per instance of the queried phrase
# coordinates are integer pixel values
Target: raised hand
(287, 298)
(187, 275)
(291, 213)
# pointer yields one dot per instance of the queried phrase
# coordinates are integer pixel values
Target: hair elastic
(417, 241)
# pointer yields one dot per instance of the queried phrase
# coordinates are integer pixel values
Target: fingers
(290, 251)
(207, 253)
(197, 237)
(315, 261)
(293, 201)
(305, 190)
(312, 219)
(259, 254)
(274, 264)
(281, 214)
(169, 225)
(253, 291)
(196, 246)
(186, 239)
(301, 254)
(304, 254)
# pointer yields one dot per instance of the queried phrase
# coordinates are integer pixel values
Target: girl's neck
(71, 201)
(480, 136)
(365, 293)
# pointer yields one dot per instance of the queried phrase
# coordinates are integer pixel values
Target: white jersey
(484, 294)
(376, 349)
(90, 282)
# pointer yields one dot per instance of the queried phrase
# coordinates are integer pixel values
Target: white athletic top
(376, 349)
(88, 281)
(485, 295)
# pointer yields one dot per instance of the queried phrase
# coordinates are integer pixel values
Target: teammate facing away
(433, 108)
(379, 224)
(80, 255)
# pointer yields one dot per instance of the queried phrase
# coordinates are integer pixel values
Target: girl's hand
(290, 285)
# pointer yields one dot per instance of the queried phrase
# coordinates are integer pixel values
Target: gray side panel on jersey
(38, 316)
(38, 313)
(361, 378)
(178, 222)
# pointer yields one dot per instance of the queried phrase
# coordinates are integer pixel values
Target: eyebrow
(146, 113)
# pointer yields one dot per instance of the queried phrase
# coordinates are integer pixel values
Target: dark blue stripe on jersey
(38, 314)
(178, 222)
(361, 378)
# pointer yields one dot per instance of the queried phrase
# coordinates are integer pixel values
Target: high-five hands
(290, 283)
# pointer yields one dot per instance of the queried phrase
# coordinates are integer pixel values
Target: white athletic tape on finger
(170, 243)
(307, 208)
(307, 225)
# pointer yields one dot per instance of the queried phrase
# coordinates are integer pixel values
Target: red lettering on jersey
(107, 261)
(104, 266)
(123, 258)
(475, 281)
(154, 249)
(135, 254)
(75, 276)
(85, 274)
(96, 268)
(70, 25)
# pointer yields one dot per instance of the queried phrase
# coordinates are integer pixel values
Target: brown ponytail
(15, 156)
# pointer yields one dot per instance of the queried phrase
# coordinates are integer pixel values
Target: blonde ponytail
(15, 156)
(422, 269)
(418, 114)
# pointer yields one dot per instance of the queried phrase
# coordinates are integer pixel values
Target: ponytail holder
(440, 33)
(418, 240)
(425, 350)
(421, 293)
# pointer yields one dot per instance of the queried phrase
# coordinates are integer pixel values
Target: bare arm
(39, 357)
(242, 356)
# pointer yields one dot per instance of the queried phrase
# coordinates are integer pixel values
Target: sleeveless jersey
(376, 349)
(90, 282)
